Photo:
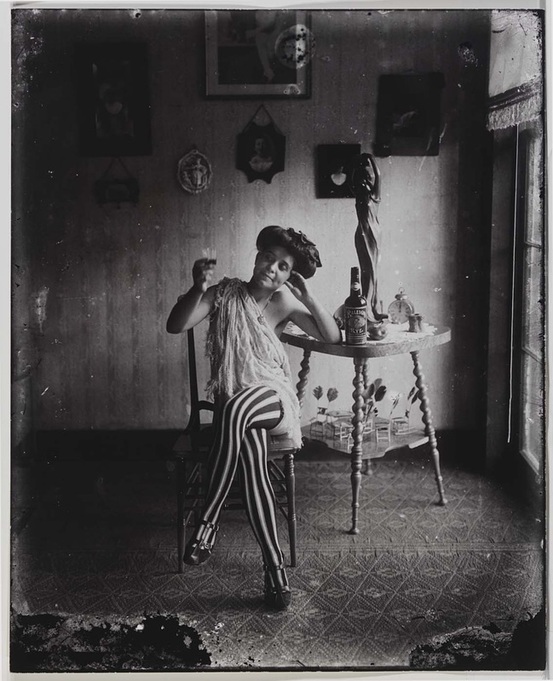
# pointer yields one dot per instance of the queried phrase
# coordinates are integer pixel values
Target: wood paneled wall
(111, 276)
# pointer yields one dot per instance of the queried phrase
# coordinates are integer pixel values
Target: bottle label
(355, 319)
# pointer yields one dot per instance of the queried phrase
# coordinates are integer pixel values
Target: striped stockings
(241, 436)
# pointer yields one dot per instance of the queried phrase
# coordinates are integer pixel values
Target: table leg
(302, 375)
(366, 379)
(357, 434)
(428, 426)
(366, 468)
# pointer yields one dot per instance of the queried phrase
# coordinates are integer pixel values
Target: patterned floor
(417, 570)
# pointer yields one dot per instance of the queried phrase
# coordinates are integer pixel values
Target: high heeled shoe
(198, 550)
(277, 590)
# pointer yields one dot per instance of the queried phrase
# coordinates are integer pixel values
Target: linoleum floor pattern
(415, 571)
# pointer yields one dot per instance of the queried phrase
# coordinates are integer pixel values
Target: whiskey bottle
(355, 312)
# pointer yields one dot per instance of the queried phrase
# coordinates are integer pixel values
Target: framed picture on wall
(113, 99)
(258, 53)
(333, 170)
(408, 115)
(260, 151)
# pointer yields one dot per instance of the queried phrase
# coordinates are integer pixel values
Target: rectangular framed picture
(408, 115)
(258, 53)
(333, 170)
(113, 99)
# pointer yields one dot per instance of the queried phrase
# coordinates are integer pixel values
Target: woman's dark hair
(305, 253)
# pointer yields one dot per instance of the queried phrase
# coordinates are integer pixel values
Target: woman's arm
(309, 314)
(196, 304)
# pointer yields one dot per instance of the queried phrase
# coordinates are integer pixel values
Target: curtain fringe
(516, 106)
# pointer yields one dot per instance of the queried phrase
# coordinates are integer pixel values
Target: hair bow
(303, 241)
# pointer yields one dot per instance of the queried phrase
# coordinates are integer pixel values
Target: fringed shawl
(245, 352)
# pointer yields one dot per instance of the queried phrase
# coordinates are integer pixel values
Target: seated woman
(251, 382)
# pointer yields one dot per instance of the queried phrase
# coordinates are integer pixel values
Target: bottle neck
(355, 283)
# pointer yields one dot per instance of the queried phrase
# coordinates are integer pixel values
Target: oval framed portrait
(260, 151)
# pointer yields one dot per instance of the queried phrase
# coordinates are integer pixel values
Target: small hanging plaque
(194, 172)
(112, 188)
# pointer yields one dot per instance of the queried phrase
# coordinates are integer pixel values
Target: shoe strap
(209, 525)
(273, 573)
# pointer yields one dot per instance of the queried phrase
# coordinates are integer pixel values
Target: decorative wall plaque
(194, 172)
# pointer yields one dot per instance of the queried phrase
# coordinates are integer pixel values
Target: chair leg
(187, 489)
(291, 496)
(181, 519)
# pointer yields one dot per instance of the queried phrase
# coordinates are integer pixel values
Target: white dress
(245, 352)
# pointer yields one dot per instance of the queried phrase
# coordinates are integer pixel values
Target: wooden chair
(191, 451)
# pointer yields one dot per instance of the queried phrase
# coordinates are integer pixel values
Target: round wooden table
(361, 354)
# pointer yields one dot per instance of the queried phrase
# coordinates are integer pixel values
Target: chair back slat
(196, 405)
(192, 373)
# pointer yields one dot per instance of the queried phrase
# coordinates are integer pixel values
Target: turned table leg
(357, 434)
(366, 468)
(428, 426)
(302, 375)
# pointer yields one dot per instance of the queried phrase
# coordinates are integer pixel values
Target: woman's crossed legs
(241, 436)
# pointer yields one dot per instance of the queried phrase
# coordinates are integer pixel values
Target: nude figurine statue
(365, 182)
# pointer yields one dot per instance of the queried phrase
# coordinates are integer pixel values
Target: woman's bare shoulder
(284, 300)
